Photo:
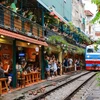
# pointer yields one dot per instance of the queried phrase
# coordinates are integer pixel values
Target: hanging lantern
(52, 13)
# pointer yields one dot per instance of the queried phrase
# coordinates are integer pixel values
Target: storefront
(16, 49)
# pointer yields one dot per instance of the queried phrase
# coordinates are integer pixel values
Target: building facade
(63, 7)
(78, 16)
(23, 35)
(92, 30)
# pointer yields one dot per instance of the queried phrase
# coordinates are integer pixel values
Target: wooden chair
(20, 79)
(28, 78)
(36, 76)
(3, 80)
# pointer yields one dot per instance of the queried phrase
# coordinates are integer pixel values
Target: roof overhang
(88, 13)
(21, 37)
(43, 4)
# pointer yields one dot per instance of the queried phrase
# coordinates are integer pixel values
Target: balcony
(16, 23)
(48, 33)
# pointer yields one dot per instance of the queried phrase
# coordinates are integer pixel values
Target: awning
(21, 37)
(43, 4)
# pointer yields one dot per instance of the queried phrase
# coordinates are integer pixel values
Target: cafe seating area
(29, 78)
(3, 85)
(24, 81)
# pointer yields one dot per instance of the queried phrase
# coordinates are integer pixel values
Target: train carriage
(92, 57)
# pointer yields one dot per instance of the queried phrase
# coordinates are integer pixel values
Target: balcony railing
(17, 23)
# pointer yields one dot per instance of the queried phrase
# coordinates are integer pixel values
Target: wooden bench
(32, 77)
(5, 85)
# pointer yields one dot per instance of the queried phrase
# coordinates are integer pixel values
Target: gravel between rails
(90, 91)
(84, 91)
(66, 90)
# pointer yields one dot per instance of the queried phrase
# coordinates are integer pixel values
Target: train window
(89, 50)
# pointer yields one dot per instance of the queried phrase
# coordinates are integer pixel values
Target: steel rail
(59, 86)
(68, 97)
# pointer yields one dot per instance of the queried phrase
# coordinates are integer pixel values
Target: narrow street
(49, 49)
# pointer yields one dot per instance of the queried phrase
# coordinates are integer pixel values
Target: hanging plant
(58, 47)
(48, 50)
(58, 40)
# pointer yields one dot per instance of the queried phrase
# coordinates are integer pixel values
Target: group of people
(26, 67)
(52, 66)
(69, 63)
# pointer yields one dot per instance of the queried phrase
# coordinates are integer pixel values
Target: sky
(90, 6)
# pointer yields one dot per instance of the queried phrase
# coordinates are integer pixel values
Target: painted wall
(63, 7)
(5, 54)
(78, 14)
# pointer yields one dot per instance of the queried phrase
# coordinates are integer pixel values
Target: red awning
(88, 13)
(21, 37)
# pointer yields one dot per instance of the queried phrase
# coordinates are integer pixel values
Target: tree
(97, 16)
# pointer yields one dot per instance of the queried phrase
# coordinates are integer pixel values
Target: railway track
(84, 93)
(62, 90)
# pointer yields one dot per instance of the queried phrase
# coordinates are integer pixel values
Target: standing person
(55, 66)
(78, 64)
(47, 67)
(51, 67)
(70, 62)
(58, 68)
(75, 65)
(65, 63)
(2, 3)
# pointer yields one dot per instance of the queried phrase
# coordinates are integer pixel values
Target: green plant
(58, 40)
(97, 16)
(51, 20)
(48, 50)
(98, 78)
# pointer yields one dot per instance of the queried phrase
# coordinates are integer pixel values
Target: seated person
(18, 67)
(4, 73)
(37, 69)
(24, 65)
(28, 69)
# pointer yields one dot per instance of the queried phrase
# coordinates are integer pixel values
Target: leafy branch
(97, 16)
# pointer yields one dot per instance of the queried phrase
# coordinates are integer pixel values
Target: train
(92, 57)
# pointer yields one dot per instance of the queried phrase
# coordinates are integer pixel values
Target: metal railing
(17, 23)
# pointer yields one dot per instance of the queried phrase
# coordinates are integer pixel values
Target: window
(89, 50)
